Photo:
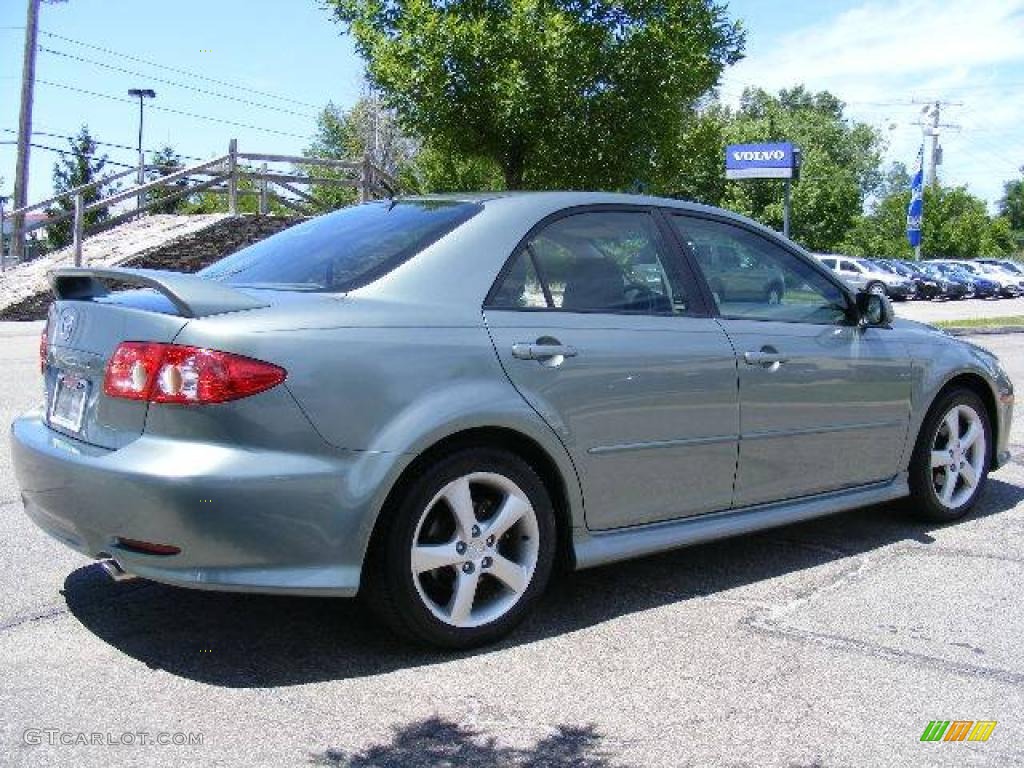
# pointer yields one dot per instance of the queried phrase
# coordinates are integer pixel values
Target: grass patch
(982, 322)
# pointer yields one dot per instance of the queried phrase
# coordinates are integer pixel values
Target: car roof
(570, 198)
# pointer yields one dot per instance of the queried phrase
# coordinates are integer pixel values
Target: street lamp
(142, 94)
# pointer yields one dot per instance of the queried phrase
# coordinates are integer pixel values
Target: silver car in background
(863, 274)
(436, 403)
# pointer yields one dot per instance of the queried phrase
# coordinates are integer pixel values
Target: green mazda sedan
(436, 402)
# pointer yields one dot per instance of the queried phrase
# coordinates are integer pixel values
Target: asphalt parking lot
(830, 643)
(934, 311)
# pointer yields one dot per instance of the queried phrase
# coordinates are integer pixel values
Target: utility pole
(28, 81)
(3, 251)
(933, 162)
(932, 111)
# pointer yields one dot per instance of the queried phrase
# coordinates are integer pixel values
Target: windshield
(345, 249)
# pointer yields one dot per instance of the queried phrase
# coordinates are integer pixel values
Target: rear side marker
(146, 547)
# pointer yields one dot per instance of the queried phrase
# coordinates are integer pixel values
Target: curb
(998, 331)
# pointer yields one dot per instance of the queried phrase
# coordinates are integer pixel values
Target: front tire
(466, 552)
(951, 459)
(877, 288)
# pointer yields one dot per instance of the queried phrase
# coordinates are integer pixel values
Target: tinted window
(345, 249)
(610, 261)
(768, 283)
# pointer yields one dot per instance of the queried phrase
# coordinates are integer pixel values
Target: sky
(264, 68)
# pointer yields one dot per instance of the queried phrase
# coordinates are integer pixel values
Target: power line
(185, 72)
(176, 84)
(99, 143)
(110, 97)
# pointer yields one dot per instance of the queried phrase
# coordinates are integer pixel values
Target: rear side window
(608, 261)
(344, 250)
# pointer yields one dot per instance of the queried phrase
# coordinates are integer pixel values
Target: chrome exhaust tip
(115, 571)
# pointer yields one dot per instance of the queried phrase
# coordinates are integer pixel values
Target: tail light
(170, 373)
(44, 343)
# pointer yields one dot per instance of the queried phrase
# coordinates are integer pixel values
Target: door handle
(551, 354)
(768, 357)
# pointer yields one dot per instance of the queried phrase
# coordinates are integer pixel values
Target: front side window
(598, 261)
(768, 283)
(344, 250)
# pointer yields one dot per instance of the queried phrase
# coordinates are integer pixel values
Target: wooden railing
(220, 175)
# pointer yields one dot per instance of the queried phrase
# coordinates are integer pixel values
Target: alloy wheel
(475, 549)
(958, 456)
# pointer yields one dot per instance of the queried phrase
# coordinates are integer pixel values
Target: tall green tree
(82, 165)
(1012, 208)
(554, 93)
(367, 129)
(956, 225)
(840, 164)
(166, 161)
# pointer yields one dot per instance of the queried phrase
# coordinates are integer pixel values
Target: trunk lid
(85, 326)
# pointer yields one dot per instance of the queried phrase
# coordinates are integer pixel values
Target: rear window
(343, 250)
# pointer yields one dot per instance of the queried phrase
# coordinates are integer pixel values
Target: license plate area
(70, 396)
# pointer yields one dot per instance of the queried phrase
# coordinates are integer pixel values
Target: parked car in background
(330, 412)
(1004, 284)
(1014, 267)
(851, 276)
(735, 274)
(926, 287)
(1002, 274)
(980, 286)
(954, 287)
(865, 274)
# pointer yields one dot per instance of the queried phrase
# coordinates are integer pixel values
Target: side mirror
(874, 309)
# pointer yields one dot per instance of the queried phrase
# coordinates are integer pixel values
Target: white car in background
(864, 275)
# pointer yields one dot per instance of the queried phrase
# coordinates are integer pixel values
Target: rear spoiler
(191, 295)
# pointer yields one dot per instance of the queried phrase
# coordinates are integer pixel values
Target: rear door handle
(542, 352)
(768, 357)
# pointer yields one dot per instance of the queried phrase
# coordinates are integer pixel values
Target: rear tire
(465, 553)
(950, 464)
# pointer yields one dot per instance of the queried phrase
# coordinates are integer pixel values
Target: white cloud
(881, 56)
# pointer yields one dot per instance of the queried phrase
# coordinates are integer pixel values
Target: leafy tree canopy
(956, 225)
(555, 93)
(76, 168)
(167, 161)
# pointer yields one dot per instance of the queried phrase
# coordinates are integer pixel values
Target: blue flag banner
(915, 210)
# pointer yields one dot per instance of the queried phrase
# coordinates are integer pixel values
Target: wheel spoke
(463, 597)
(430, 557)
(461, 501)
(952, 422)
(940, 459)
(969, 474)
(509, 513)
(947, 488)
(971, 436)
(513, 575)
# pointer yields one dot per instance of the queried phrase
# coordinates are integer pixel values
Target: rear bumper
(901, 291)
(244, 519)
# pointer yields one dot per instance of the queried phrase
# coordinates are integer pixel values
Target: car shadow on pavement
(241, 641)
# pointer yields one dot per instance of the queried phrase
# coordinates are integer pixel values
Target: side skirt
(600, 548)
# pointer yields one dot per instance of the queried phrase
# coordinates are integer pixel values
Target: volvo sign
(761, 161)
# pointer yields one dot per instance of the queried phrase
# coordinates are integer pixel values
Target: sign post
(765, 161)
